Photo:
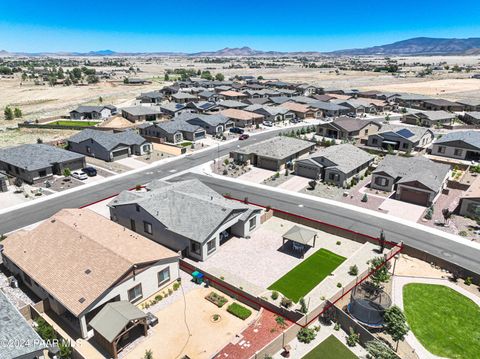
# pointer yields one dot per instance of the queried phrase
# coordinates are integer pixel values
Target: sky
(191, 26)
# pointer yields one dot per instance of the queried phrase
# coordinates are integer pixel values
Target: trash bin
(197, 277)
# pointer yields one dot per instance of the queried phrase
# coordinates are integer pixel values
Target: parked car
(294, 120)
(243, 137)
(90, 171)
(237, 130)
(79, 175)
(268, 123)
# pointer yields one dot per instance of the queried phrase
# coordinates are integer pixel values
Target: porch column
(83, 327)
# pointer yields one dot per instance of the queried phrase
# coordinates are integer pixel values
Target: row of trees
(10, 113)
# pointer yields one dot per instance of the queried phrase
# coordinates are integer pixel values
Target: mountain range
(414, 46)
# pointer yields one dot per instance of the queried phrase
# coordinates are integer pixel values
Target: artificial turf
(446, 322)
(330, 348)
(304, 277)
(74, 123)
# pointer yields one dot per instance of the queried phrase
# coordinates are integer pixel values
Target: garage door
(117, 155)
(415, 197)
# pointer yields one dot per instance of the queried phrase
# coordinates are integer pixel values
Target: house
(415, 179)
(356, 107)
(3, 183)
(93, 112)
(301, 111)
(141, 113)
(153, 97)
(347, 128)
(173, 131)
(107, 145)
(208, 96)
(172, 109)
(306, 89)
(185, 216)
(242, 118)
(182, 97)
(279, 100)
(401, 138)
(19, 340)
(272, 113)
(441, 105)
(37, 162)
(258, 101)
(202, 106)
(213, 124)
(470, 105)
(329, 109)
(472, 118)
(335, 164)
(137, 81)
(96, 262)
(410, 100)
(461, 145)
(231, 104)
(428, 118)
(470, 201)
(232, 95)
(273, 154)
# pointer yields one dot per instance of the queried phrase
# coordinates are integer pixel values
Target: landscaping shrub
(364, 198)
(274, 295)
(306, 335)
(176, 285)
(158, 297)
(287, 303)
(353, 338)
(303, 306)
(281, 321)
(353, 270)
(339, 285)
(216, 299)
(468, 281)
(45, 330)
(239, 311)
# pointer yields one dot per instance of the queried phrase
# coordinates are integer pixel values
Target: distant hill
(419, 46)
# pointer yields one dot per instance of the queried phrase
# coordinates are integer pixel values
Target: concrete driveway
(408, 211)
(256, 175)
(295, 184)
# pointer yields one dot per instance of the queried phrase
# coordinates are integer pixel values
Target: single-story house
(416, 180)
(411, 100)
(470, 201)
(272, 113)
(347, 128)
(472, 118)
(258, 101)
(96, 261)
(329, 109)
(462, 145)
(208, 96)
(213, 124)
(302, 111)
(231, 104)
(183, 97)
(202, 106)
(273, 154)
(242, 118)
(185, 216)
(441, 105)
(173, 131)
(470, 105)
(93, 112)
(19, 340)
(154, 97)
(38, 162)
(107, 145)
(3, 183)
(232, 95)
(141, 113)
(172, 109)
(335, 164)
(401, 138)
(428, 118)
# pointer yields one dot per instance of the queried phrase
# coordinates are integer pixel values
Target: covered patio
(118, 324)
(301, 238)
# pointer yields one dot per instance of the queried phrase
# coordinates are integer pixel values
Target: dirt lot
(21, 136)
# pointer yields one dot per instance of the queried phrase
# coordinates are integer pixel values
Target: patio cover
(301, 235)
(114, 317)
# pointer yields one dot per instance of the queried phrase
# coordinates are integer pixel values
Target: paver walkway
(397, 297)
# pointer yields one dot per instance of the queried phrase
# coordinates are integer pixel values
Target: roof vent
(53, 220)
(81, 300)
(88, 271)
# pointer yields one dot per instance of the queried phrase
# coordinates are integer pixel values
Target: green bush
(176, 285)
(274, 295)
(306, 335)
(45, 330)
(353, 270)
(353, 338)
(239, 311)
(286, 302)
(468, 281)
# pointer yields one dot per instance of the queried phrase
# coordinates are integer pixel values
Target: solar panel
(405, 133)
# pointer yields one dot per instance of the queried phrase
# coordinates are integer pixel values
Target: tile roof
(36, 156)
(90, 253)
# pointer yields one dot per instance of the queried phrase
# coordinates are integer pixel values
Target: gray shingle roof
(232, 104)
(212, 120)
(176, 125)
(108, 139)
(346, 157)
(469, 137)
(36, 156)
(418, 132)
(88, 109)
(408, 169)
(188, 208)
(14, 328)
(172, 106)
(279, 147)
(141, 110)
(349, 124)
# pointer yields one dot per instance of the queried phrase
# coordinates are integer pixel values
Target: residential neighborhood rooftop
(279, 147)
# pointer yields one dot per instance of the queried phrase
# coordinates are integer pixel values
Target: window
(374, 141)
(163, 276)
(441, 149)
(135, 293)
(458, 152)
(405, 145)
(381, 181)
(147, 227)
(253, 223)
(42, 173)
(474, 208)
(133, 226)
(195, 247)
(211, 246)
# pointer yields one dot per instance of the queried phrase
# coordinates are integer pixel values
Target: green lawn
(443, 320)
(74, 123)
(304, 277)
(331, 348)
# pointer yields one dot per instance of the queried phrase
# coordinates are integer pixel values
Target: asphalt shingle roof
(469, 137)
(141, 110)
(108, 139)
(279, 147)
